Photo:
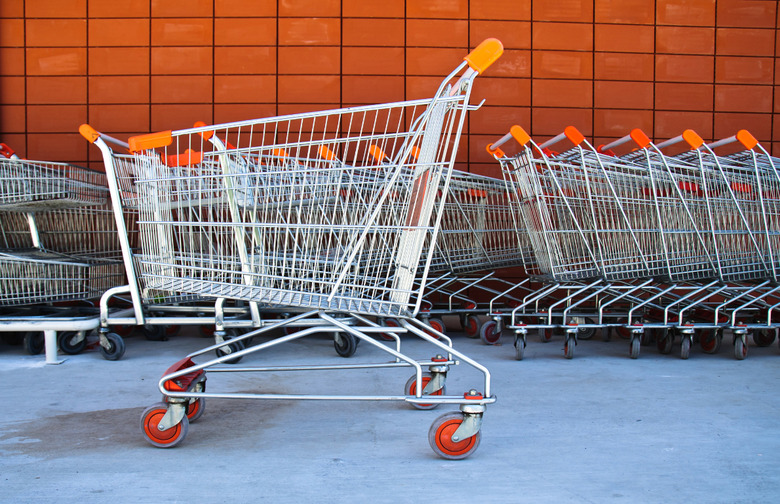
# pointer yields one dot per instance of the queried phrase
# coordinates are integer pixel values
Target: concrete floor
(598, 428)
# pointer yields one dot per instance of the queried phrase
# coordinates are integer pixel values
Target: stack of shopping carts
(652, 244)
(59, 254)
(332, 218)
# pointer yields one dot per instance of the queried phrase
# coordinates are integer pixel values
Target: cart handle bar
(637, 135)
(743, 136)
(516, 132)
(91, 134)
(691, 137)
(519, 134)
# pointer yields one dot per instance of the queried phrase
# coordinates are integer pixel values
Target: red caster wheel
(471, 326)
(440, 437)
(410, 389)
(168, 438)
(489, 333)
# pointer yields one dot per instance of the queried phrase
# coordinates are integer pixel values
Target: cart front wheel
(471, 326)
(489, 333)
(519, 349)
(71, 342)
(230, 348)
(636, 345)
(150, 419)
(710, 340)
(568, 347)
(740, 348)
(410, 389)
(664, 341)
(436, 324)
(685, 347)
(440, 437)
(345, 344)
(195, 409)
(763, 337)
(116, 347)
(34, 342)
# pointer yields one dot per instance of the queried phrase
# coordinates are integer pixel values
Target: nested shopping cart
(260, 212)
(477, 237)
(680, 229)
(53, 256)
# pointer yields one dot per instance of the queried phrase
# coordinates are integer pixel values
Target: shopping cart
(270, 221)
(477, 237)
(54, 257)
(682, 221)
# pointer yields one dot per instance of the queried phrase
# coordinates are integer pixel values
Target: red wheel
(740, 348)
(168, 438)
(410, 389)
(195, 408)
(207, 331)
(710, 340)
(391, 322)
(437, 325)
(545, 334)
(471, 326)
(440, 437)
(763, 337)
(489, 333)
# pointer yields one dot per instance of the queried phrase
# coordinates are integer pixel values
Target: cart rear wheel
(471, 326)
(116, 347)
(664, 340)
(390, 322)
(545, 334)
(519, 349)
(489, 333)
(345, 344)
(150, 419)
(584, 333)
(154, 332)
(436, 324)
(71, 342)
(568, 346)
(34, 342)
(410, 389)
(195, 409)
(636, 345)
(763, 337)
(740, 348)
(685, 347)
(710, 340)
(440, 437)
(230, 348)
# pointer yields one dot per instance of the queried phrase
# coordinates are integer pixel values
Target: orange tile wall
(605, 66)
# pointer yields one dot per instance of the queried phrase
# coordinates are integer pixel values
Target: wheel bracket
(470, 426)
(176, 411)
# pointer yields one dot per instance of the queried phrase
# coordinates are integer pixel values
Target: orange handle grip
(485, 54)
(6, 151)
(205, 134)
(88, 132)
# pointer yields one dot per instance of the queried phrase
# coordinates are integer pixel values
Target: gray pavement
(598, 428)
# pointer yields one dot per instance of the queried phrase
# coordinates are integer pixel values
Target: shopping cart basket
(268, 220)
(54, 253)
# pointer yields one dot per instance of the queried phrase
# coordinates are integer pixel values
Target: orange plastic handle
(150, 141)
(485, 54)
(205, 134)
(693, 138)
(6, 151)
(326, 153)
(188, 158)
(638, 136)
(88, 132)
(519, 134)
(746, 139)
(377, 153)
